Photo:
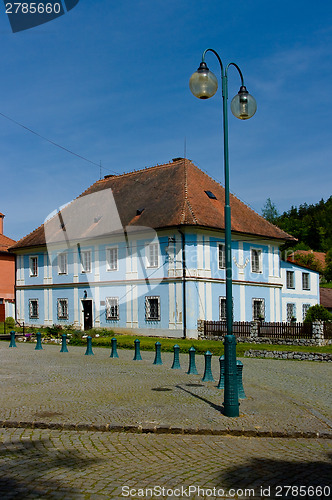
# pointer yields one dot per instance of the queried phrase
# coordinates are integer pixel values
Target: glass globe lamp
(203, 83)
(243, 105)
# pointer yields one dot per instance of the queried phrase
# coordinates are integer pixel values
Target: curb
(165, 429)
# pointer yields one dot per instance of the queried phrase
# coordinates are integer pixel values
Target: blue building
(145, 251)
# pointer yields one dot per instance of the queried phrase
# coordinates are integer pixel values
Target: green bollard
(137, 356)
(39, 345)
(208, 377)
(114, 352)
(64, 343)
(176, 360)
(221, 384)
(239, 370)
(157, 358)
(12, 339)
(192, 370)
(231, 398)
(89, 351)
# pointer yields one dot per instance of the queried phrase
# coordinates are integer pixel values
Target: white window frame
(112, 262)
(290, 311)
(84, 268)
(305, 281)
(222, 309)
(256, 260)
(152, 255)
(31, 311)
(112, 308)
(148, 316)
(62, 309)
(305, 308)
(290, 280)
(62, 263)
(255, 316)
(33, 268)
(221, 256)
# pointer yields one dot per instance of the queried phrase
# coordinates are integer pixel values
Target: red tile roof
(172, 195)
(5, 242)
(326, 297)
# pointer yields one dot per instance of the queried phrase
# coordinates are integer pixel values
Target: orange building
(7, 275)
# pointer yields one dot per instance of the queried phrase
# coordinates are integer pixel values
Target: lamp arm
(217, 56)
(237, 67)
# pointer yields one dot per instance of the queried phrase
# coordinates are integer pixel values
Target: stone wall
(301, 356)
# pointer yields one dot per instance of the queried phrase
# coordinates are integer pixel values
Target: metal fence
(327, 330)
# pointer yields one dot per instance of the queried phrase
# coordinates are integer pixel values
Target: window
(222, 308)
(305, 281)
(152, 308)
(62, 263)
(86, 261)
(33, 309)
(62, 308)
(291, 312)
(290, 279)
(256, 260)
(112, 259)
(258, 309)
(222, 256)
(152, 255)
(112, 308)
(305, 308)
(33, 266)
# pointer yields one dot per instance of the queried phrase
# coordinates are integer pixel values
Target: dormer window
(211, 195)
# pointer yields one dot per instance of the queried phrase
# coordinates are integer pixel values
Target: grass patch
(326, 285)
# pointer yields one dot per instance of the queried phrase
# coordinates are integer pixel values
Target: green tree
(328, 266)
(270, 211)
(317, 313)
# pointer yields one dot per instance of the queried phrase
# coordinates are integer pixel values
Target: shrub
(317, 313)
(10, 322)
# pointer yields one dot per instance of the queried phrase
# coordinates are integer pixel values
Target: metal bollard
(157, 358)
(12, 339)
(114, 352)
(231, 398)
(39, 345)
(208, 377)
(64, 343)
(137, 356)
(221, 384)
(192, 370)
(176, 360)
(239, 370)
(89, 351)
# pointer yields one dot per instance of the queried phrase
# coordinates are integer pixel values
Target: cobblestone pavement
(70, 390)
(51, 464)
(53, 404)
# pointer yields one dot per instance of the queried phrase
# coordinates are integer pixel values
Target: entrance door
(87, 314)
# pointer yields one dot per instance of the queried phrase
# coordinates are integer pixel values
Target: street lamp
(204, 84)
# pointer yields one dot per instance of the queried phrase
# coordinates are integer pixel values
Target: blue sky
(109, 81)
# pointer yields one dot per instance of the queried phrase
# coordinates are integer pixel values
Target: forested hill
(310, 224)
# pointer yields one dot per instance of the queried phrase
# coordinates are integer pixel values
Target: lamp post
(204, 84)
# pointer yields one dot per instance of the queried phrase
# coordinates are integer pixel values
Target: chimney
(1, 222)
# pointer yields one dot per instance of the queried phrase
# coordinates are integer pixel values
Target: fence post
(89, 351)
(114, 352)
(12, 339)
(64, 343)
(239, 370)
(200, 327)
(157, 358)
(208, 377)
(254, 330)
(38, 346)
(176, 360)
(192, 370)
(318, 332)
(137, 356)
(221, 384)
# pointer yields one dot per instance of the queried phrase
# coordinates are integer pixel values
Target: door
(87, 314)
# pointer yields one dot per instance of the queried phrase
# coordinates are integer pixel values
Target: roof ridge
(153, 167)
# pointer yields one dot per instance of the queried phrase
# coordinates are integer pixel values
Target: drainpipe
(184, 309)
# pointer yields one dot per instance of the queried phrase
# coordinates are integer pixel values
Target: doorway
(87, 314)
